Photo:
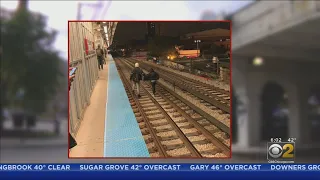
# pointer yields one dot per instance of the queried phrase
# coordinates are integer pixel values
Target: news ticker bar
(160, 167)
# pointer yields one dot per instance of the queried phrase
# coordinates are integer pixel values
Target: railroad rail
(170, 127)
(151, 112)
(217, 116)
(183, 77)
(219, 98)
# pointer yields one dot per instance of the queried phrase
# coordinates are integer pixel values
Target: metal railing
(87, 71)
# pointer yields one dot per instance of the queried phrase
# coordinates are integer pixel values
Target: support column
(239, 75)
(294, 110)
(242, 118)
(254, 112)
(302, 117)
(255, 83)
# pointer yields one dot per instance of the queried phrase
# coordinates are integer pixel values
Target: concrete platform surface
(90, 137)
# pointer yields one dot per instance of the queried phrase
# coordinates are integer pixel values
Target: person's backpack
(137, 75)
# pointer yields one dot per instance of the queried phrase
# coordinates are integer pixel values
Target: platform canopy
(209, 35)
(109, 28)
(275, 36)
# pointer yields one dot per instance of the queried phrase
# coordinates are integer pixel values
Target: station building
(275, 74)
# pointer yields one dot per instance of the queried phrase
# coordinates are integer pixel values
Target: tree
(215, 49)
(29, 60)
(208, 15)
(172, 51)
(161, 46)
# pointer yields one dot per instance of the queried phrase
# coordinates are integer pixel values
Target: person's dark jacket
(136, 74)
(153, 76)
(100, 53)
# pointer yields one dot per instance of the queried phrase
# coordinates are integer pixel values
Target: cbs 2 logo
(278, 151)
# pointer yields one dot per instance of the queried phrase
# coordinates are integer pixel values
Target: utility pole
(79, 11)
(96, 7)
(159, 28)
(191, 64)
(197, 41)
(23, 4)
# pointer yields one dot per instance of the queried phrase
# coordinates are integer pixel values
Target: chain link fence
(87, 70)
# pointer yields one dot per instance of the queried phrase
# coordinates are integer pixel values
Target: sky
(58, 12)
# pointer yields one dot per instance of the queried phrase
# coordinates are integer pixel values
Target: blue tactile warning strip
(123, 137)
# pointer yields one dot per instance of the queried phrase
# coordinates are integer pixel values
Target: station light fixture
(105, 29)
(197, 41)
(258, 61)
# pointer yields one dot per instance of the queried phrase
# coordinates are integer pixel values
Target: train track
(217, 97)
(213, 110)
(222, 91)
(169, 126)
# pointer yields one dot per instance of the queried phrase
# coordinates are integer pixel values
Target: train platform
(109, 127)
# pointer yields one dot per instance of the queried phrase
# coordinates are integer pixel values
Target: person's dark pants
(100, 62)
(153, 84)
(136, 86)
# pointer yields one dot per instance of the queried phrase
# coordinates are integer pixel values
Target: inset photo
(149, 89)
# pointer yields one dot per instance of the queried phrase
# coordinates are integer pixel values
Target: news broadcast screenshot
(160, 89)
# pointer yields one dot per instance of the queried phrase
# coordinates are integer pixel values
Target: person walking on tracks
(153, 77)
(136, 76)
(100, 57)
